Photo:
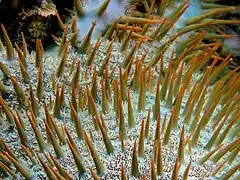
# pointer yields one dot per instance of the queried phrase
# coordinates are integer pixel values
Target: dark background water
(15, 21)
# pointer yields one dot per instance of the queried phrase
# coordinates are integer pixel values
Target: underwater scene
(120, 89)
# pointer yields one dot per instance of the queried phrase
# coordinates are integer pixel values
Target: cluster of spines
(169, 86)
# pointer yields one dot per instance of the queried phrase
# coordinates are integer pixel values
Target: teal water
(194, 9)
(115, 9)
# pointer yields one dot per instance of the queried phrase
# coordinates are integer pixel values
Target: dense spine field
(140, 102)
